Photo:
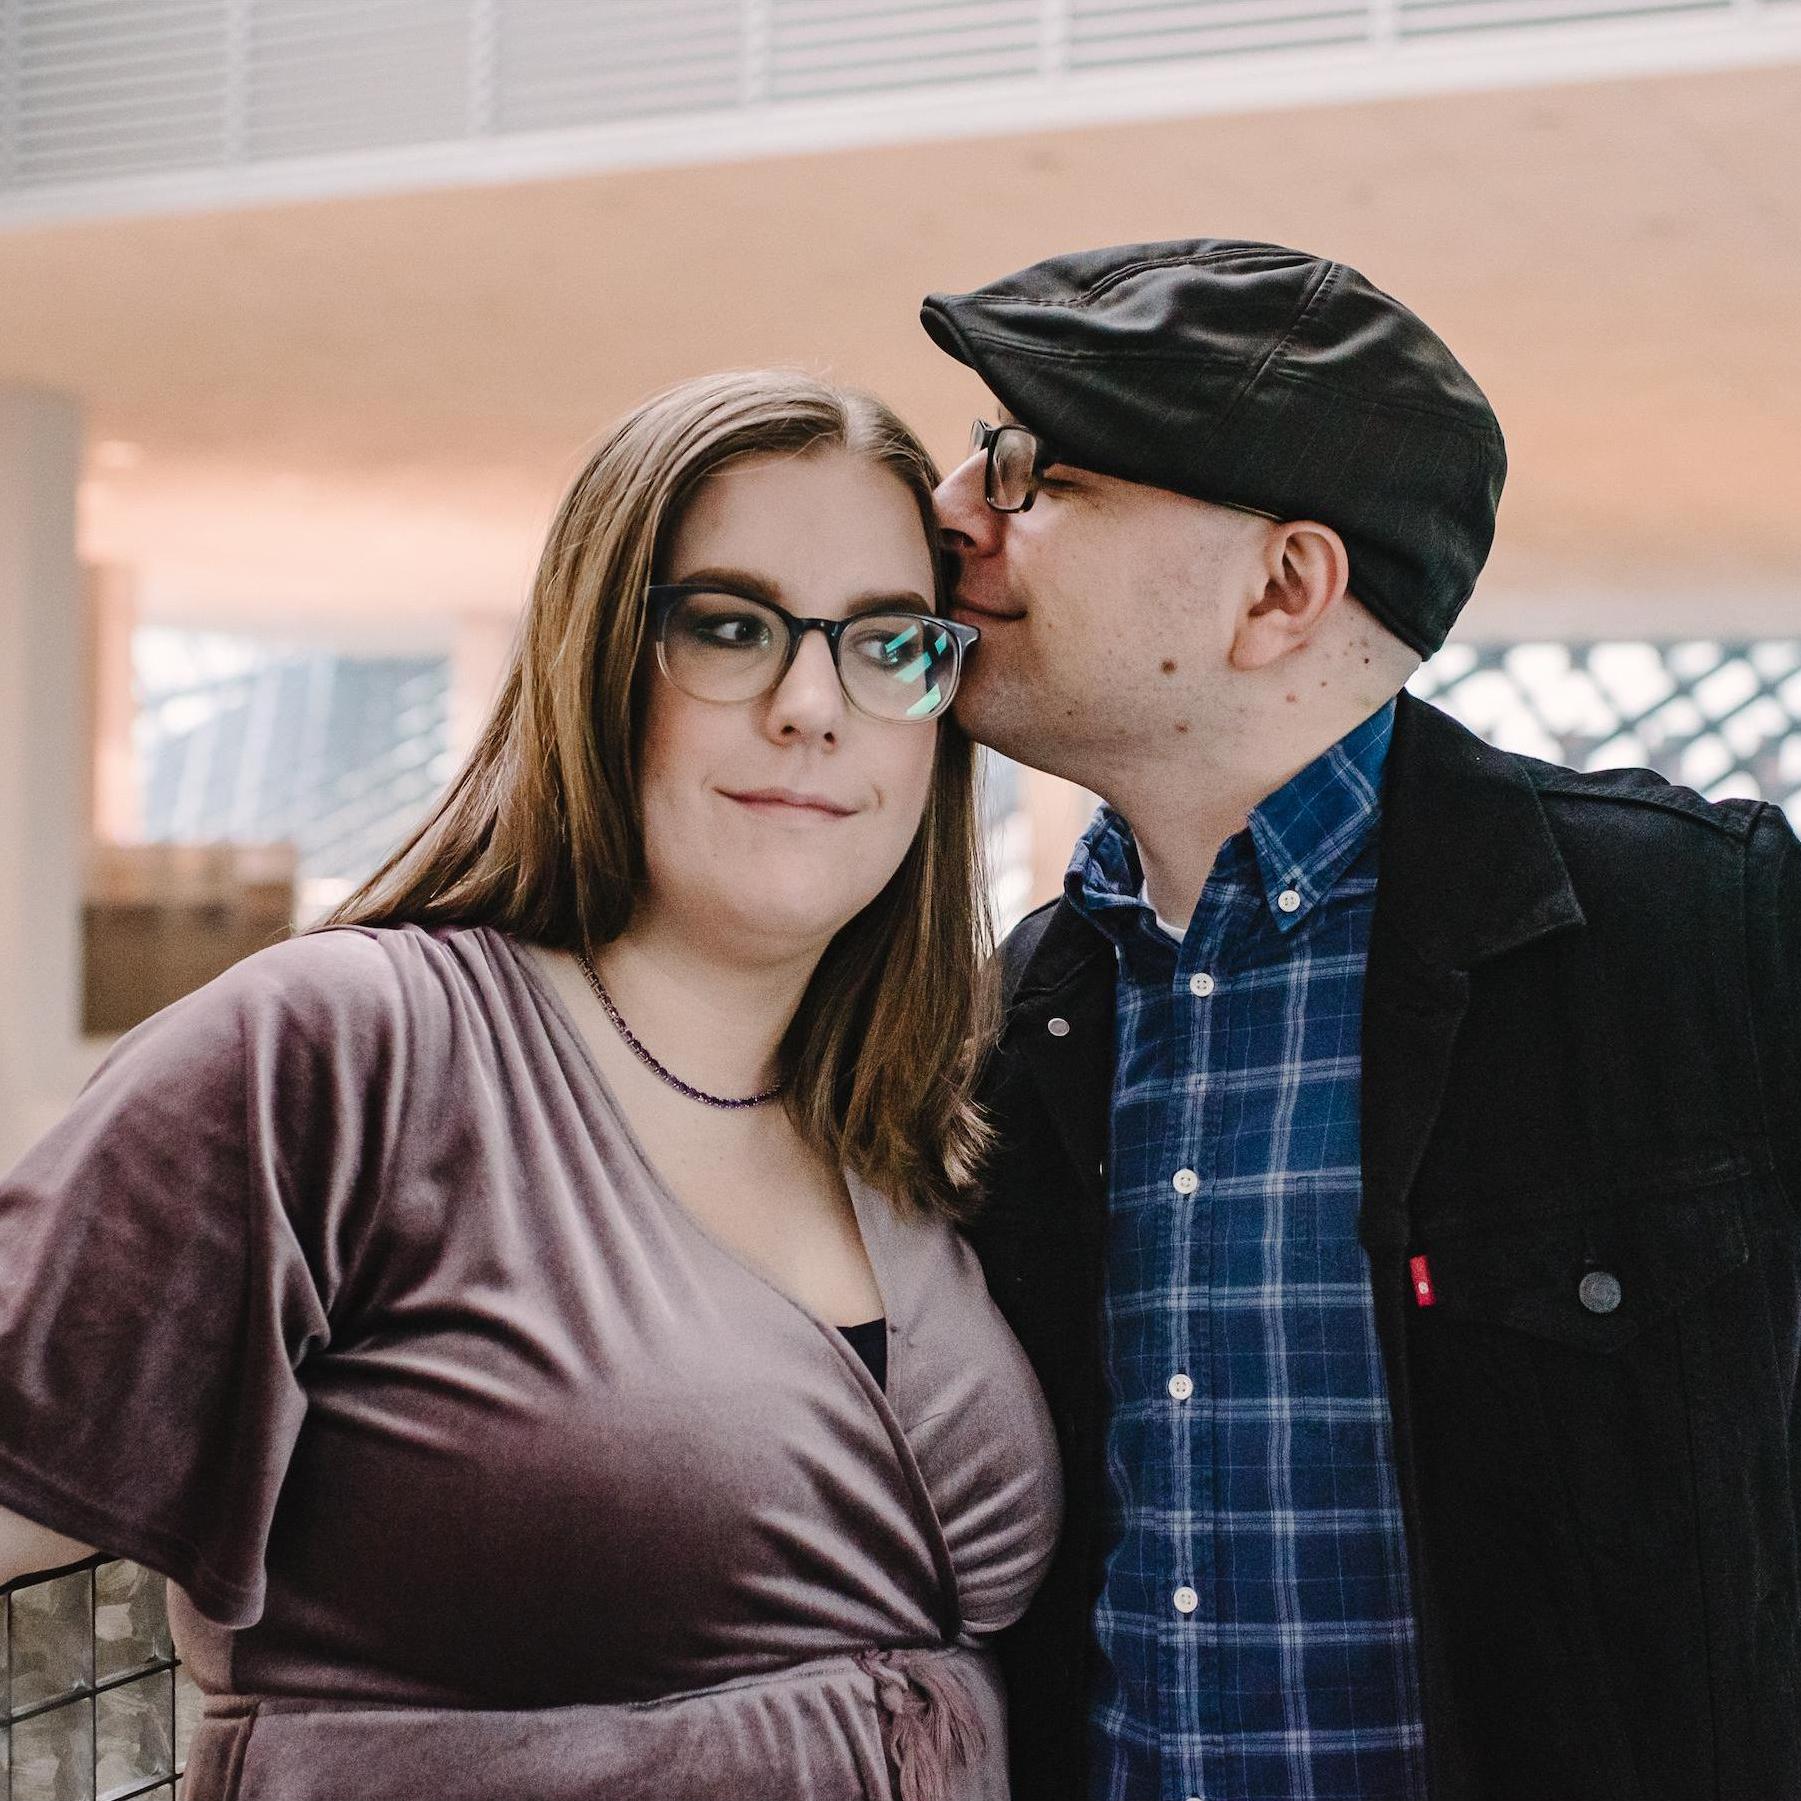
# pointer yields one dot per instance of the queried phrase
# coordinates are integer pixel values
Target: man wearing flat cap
(1399, 1175)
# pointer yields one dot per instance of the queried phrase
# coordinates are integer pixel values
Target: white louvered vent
(96, 88)
(820, 47)
(220, 98)
(322, 76)
(1421, 18)
(1122, 33)
(562, 63)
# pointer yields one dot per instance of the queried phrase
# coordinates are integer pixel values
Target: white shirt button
(1201, 985)
(1186, 1600)
(1185, 1181)
(1289, 900)
(1058, 1028)
(1181, 1387)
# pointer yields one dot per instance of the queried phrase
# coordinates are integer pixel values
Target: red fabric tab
(1422, 1280)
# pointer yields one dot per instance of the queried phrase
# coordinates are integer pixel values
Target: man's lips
(788, 800)
(960, 605)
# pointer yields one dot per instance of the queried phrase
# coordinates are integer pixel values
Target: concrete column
(43, 809)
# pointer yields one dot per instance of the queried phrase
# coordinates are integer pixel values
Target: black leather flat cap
(1257, 376)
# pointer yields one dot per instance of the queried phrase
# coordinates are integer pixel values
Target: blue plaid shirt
(1254, 1626)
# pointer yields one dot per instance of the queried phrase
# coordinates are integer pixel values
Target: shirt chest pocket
(1594, 1277)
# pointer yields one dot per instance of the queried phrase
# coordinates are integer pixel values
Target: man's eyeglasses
(720, 646)
(1017, 458)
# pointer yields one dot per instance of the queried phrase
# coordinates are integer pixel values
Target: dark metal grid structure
(94, 1705)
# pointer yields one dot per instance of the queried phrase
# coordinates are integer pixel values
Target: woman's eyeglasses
(720, 646)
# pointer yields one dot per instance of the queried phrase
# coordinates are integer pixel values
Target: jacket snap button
(1599, 1292)
(1058, 1028)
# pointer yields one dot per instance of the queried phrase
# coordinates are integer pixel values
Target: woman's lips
(789, 803)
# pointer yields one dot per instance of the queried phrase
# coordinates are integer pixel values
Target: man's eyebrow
(761, 587)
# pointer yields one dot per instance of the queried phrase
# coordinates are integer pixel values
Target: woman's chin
(782, 921)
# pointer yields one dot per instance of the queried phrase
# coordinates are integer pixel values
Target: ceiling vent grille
(324, 76)
(1111, 34)
(1427, 18)
(227, 97)
(832, 47)
(96, 88)
(572, 63)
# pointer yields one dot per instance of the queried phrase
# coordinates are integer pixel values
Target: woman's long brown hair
(540, 833)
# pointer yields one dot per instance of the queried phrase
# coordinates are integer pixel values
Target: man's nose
(971, 527)
(809, 699)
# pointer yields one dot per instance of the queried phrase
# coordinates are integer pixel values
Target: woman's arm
(26, 1546)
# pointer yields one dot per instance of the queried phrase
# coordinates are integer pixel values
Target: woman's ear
(1305, 573)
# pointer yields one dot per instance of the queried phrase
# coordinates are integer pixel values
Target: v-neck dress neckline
(863, 1199)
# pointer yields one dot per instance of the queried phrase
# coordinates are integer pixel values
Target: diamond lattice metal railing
(1720, 717)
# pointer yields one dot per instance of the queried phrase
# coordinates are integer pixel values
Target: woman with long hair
(524, 1318)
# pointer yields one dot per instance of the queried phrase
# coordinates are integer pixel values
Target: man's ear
(1305, 571)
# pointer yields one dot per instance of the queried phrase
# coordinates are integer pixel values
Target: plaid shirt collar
(1301, 838)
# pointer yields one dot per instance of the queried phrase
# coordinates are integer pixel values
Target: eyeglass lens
(1012, 463)
(725, 647)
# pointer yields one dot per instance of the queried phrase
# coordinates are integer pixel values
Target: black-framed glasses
(720, 646)
(1017, 460)
(1017, 457)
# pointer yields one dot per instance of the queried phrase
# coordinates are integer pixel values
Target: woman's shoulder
(339, 988)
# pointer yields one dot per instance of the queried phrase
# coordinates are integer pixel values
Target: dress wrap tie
(930, 1725)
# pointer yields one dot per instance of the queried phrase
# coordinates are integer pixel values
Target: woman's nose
(809, 700)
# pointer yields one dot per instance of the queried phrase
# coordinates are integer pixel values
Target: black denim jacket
(1582, 1059)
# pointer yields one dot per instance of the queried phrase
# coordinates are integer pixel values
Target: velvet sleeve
(170, 1252)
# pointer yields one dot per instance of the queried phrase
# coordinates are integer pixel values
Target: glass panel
(131, 1628)
(53, 1755)
(134, 1733)
(53, 1639)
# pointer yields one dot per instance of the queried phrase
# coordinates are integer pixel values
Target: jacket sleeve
(1773, 937)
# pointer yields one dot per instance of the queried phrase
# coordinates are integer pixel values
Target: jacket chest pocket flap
(1595, 1278)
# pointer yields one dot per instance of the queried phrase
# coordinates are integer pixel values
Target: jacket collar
(1470, 869)
(1071, 946)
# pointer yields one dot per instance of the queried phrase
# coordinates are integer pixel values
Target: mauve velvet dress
(345, 1297)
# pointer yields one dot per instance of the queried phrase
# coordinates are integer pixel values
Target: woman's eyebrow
(760, 587)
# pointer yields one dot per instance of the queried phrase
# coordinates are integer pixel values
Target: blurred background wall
(308, 309)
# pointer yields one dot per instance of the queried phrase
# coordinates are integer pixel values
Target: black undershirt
(870, 1342)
